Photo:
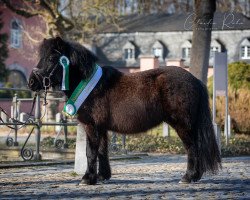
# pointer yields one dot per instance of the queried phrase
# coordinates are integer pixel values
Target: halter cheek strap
(64, 61)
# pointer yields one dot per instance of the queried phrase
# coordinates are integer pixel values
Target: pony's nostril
(32, 82)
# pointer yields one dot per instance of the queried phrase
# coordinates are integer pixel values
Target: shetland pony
(133, 103)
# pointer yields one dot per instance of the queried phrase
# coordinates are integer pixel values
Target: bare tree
(201, 40)
(242, 6)
(71, 18)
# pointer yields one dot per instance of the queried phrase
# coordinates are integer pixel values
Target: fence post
(80, 153)
(15, 116)
(37, 130)
(65, 127)
(114, 138)
(229, 126)
(218, 135)
(124, 150)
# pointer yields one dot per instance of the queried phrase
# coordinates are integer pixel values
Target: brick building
(25, 34)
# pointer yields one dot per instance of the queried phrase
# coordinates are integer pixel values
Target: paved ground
(152, 177)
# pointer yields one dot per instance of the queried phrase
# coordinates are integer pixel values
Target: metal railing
(27, 154)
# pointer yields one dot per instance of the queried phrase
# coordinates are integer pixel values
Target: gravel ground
(152, 177)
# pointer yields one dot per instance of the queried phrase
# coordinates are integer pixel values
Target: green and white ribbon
(82, 91)
(64, 61)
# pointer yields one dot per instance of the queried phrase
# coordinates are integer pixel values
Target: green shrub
(239, 75)
(154, 143)
(238, 145)
(10, 93)
(48, 142)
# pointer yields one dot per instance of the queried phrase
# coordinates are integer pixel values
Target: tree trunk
(202, 28)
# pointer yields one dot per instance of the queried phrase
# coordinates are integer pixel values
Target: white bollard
(165, 132)
(11, 111)
(24, 117)
(80, 153)
(58, 119)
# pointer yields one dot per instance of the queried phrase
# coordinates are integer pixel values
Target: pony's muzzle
(35, 82)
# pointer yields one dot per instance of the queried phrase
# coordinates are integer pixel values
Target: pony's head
(49, 71)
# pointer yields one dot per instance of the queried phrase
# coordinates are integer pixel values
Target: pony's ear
(59, 40)
(60, 44)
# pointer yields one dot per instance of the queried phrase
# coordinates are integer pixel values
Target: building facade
(24, 37)
(169, 37)
(166, 36)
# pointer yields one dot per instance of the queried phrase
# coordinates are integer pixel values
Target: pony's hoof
(103, 178)
(89, 179)
(82, 183)
(105, 181)
(185, 180)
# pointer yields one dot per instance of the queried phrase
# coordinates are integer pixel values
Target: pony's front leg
(90, 176)
(103, 157)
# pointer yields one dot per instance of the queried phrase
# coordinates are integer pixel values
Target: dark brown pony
(133, 103)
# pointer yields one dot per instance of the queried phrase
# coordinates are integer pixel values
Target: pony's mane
(77, 54)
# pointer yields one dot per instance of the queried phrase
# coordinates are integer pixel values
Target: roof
(175, 22)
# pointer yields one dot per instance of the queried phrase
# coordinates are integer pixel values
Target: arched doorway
(17, 79)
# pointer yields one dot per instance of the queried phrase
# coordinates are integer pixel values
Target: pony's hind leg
(104, 166)
(193, 172)
(90, 176)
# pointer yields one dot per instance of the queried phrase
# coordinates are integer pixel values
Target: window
(186, 49)
(129, 53)
(186, 52)
(245, 52)
(157, 52)
(245, 49)
(216, 49)
(157, 49)
(15, 34)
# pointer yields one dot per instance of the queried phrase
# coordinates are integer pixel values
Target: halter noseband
(46, 81)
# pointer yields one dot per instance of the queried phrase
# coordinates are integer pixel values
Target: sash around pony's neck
(82, 90)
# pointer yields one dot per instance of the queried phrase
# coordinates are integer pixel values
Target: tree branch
(47, 7)
(20, 11)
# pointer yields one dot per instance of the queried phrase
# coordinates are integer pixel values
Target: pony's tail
(207, 147)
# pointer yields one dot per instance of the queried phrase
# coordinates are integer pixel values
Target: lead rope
(46, 85)
(45, 103)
